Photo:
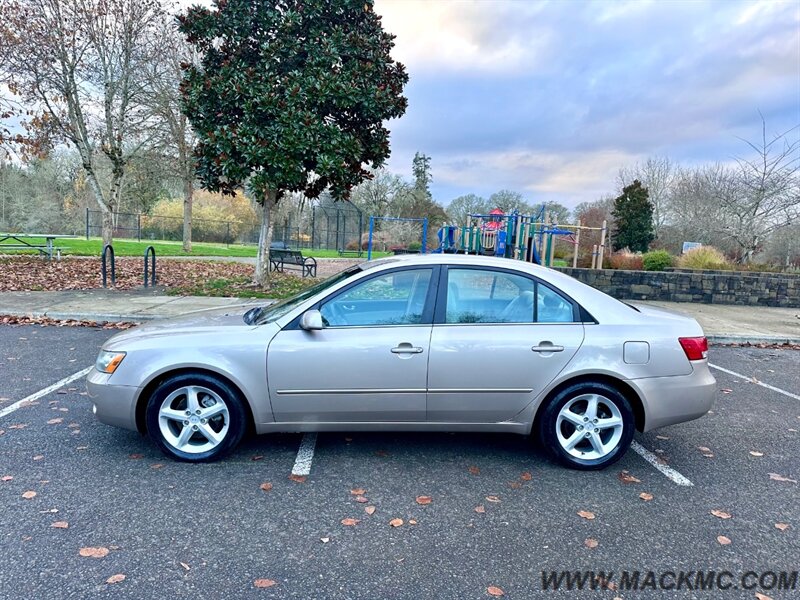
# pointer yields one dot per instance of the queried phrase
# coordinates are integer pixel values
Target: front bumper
(113, 404)
(671, 400)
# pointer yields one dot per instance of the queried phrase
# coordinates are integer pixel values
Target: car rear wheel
(587, 426)
(195, 417)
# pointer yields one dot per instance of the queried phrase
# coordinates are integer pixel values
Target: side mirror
(311, 320)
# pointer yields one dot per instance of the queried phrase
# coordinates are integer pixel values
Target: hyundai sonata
(427, 343)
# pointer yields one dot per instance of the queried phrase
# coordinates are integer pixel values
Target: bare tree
(173, 137)
(658, 174)
(79, 62)
(762, 194)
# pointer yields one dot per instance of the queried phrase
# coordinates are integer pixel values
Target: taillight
(696, 348)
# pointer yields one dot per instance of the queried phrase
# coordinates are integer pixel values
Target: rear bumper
(113, 404)
(671, 400)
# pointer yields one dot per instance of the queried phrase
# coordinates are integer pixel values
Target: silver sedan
(428, 343)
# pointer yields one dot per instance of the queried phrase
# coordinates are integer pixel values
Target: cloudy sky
(552, 98)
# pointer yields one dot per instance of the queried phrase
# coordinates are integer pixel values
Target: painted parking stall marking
(49, 389)
(754, 380)
(305, 455)
(669, 472)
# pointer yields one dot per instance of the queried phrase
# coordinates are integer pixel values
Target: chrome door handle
(406, 349)
(547, 347)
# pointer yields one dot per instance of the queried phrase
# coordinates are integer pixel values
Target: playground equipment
(531, 238)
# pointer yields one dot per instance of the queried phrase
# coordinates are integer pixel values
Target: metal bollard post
(109, 249)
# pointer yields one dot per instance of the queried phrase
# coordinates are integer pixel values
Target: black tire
(237, 419)
(548, 423)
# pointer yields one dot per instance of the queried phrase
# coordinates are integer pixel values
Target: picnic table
(18, 241)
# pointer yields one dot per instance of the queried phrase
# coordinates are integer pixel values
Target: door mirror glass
(311, 320)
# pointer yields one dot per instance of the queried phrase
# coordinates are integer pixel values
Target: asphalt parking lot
(500, 513)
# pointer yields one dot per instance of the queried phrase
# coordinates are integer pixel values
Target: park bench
(353, 253)
(280, 259)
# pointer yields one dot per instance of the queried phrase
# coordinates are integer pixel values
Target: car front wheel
(195, 417)
(587, 426)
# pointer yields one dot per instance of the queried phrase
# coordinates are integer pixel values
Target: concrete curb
(719, 340)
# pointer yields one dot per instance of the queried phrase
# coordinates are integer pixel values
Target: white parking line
(52, 388)
(669, 472)
(305, 454)
(754, 380)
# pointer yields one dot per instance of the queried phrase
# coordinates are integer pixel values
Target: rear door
(368, 363)
(499, 337)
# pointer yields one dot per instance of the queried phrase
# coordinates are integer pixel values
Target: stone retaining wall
(717, 287)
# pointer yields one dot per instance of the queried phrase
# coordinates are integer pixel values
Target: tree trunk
(108, 226)
(264, 240)
(188, 195)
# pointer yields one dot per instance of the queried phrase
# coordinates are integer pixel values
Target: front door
(368, 363)
(499, 338)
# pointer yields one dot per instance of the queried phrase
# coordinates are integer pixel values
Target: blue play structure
(522, 237)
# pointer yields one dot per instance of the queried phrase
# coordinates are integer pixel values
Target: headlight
(107, 362)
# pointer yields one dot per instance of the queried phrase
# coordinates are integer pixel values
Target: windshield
(268, 314)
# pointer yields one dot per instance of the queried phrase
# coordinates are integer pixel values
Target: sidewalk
(722, 323)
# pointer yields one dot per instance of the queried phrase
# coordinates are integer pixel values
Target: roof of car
(469, 259)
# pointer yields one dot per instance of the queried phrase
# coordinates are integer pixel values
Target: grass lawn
(94, 246)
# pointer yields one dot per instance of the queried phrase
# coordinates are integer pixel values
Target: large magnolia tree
(289, 96)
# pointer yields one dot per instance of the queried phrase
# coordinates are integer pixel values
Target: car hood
(200, 321)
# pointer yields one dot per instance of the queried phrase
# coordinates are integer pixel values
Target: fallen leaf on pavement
(91, 552)
(704, 449)
(721, 514)
(369, 510)
(396, 522)
(514, 485)
(38, 457)
(762, 596)
(782, 526)
(755, 453)
(256, 457)
(725, 541)
(493, 498)
(590, 543)
(29, 494)
(358, 492)
(480, 509)
(495, 591)
(264, 583)
(185, 566)
(586, 514)
(646, 497)
(424, 500)
(474, 470)
(626, 477)
(726, 390)
(350, 522)
(60, 525)
(361, 499)
(266, 486)
(325, 540)
(776, 477)
(55, 421)
(412, 522)
(6, 478)
(116, 578)
(662, 437)
(157, 466)
(135, 456)
(297, 478)
(526, 476)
